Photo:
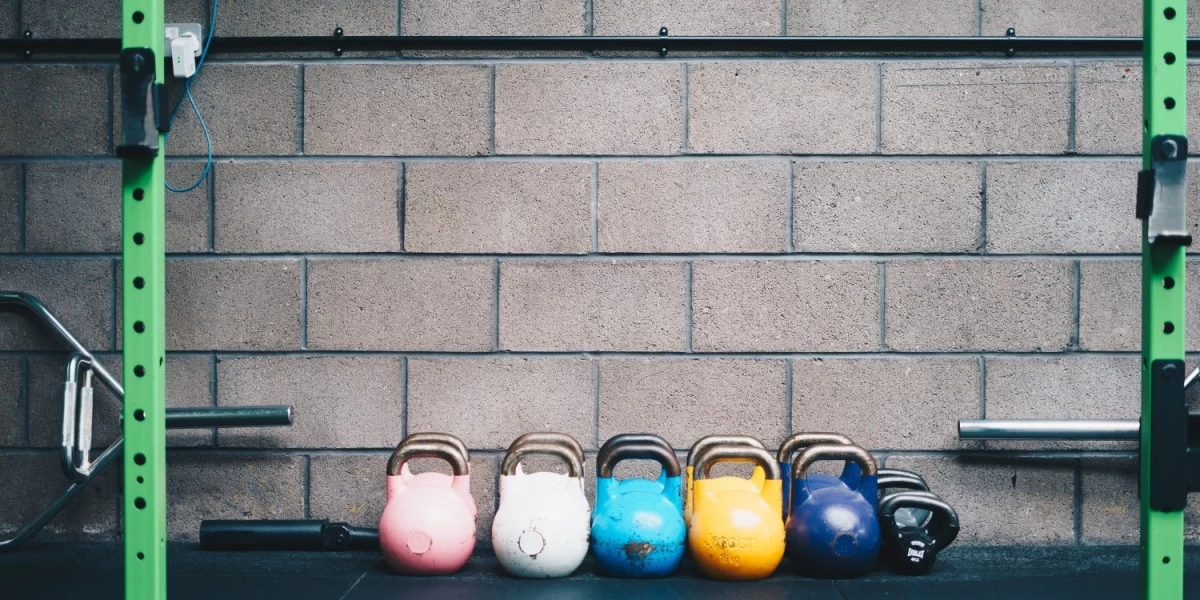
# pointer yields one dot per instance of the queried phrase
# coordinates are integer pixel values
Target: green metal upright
(143, 308)
(1163, 421)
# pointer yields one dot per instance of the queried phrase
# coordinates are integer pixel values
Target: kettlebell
(756, 477)
(892, 479)
(637, 527)
(833, 530)
(541, 527)
(428, 524)
(913, 549)
(736, 533)
(799, 441)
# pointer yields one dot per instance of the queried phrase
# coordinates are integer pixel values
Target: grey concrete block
(306, 17)
(77, 292)
(12, 402)
(1061, 17)
(1003, 501)
(10, 203)
(1107, 94)
(761, 306)
(188, 212)
(405, 109)
(400, 305)
(1110, 508)
(188, 385)
(1056, 207)
(1110, 306)
(980, 108)
(493, 17)
(339, 401)
(693, 206)
(9, 27)
(887, 17)
(754, 107)
(547, 306)
(489, 402)
(589, 108)
(231, 486)
(507, 208)
(682, 400)
(52, 19)
(704, 17)
(249, 108)
(349, 488)
(56, 194)
(307, 207)
(887, 206)
(233, 305)
(36, 480)
(980, 305)
(886, 403)
(1069, 387)
(54, 110)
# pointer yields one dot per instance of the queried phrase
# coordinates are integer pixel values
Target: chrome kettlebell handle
(943, 521)
(611, 454)
(439, 437)
(803, 440)
(845, 452)
(736, 453)
(712, 440)
(634, 438)
(565, 452)
(549, 437)
(430, 445)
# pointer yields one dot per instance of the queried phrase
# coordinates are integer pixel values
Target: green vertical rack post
(1164, 104)
(143, 310)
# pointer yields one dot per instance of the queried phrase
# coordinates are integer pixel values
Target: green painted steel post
(1164, 69)
(143, 332)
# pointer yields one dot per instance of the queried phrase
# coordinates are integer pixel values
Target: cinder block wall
(595, 244)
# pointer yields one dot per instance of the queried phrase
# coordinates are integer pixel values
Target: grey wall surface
(595, 244)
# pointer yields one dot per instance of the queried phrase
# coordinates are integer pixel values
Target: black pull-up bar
(1009, 45)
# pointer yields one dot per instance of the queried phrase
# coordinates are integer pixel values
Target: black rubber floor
(93, 571)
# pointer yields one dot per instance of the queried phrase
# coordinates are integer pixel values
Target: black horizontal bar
(818, 44)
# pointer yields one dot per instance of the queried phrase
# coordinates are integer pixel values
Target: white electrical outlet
(177, 30)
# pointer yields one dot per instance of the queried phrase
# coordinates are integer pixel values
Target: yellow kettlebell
(719, 483)
(736, 531)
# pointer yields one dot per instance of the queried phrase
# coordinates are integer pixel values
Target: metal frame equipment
(1169, 437)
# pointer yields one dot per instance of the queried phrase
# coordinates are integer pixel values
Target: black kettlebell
(899, 479)
(912, 549)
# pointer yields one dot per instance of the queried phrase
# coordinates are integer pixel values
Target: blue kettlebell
(833, 530)
(800, 441)
(637, 526)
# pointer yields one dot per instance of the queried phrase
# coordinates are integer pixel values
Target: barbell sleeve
(225, 416)
(1048, 429)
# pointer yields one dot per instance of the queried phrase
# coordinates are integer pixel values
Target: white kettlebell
(541, 528)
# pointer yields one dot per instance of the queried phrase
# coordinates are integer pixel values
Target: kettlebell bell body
(833, 531)
(736, 533)
(756, 478)
(541, 527)
(799, 441)
(913, 549)
(428, 524)
(637, 526)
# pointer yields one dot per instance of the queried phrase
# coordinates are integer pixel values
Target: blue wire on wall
(187, 95)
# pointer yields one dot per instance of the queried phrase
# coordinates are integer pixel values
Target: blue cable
(187, 95)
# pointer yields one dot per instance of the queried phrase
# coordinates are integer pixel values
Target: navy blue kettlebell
(637, 527)
(800, 441)
(912, 549)
(833, 530)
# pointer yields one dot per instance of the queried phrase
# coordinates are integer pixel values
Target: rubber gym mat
(93, 571)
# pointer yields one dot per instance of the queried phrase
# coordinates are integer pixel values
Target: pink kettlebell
(428, 525)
